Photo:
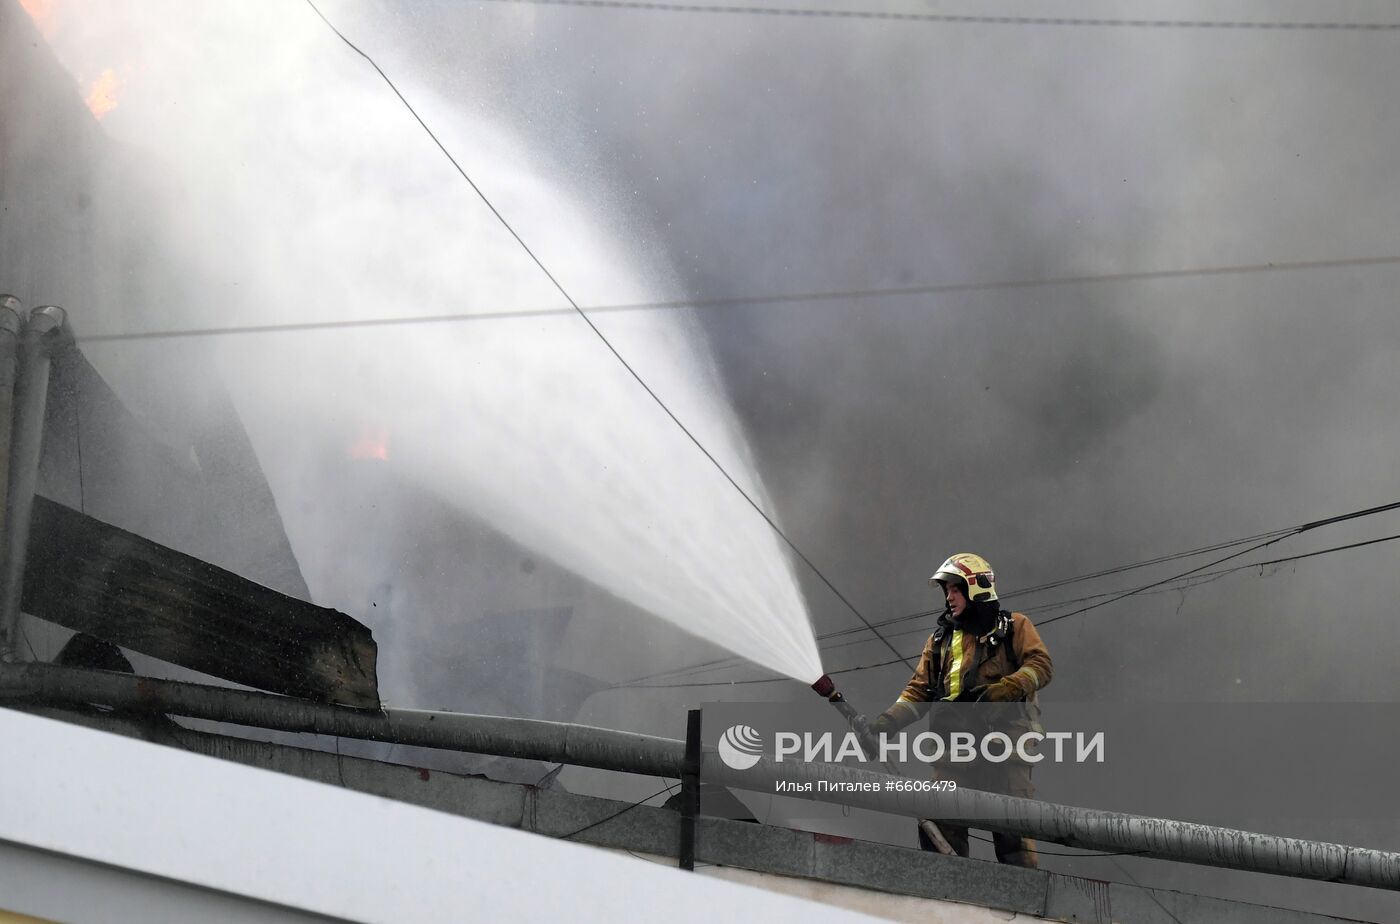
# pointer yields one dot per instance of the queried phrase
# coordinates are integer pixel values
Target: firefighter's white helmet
(973, 571)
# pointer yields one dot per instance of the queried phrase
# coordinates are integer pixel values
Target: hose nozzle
(825, 685)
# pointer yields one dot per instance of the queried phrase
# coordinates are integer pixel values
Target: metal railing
(609, 749)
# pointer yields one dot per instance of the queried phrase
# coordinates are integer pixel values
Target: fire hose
(825, 686)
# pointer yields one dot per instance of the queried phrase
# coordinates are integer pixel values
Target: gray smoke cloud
(1063, 426)
(1056, 430)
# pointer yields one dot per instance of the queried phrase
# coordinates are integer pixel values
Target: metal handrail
(609, 749)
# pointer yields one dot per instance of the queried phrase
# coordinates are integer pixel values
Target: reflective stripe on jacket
(959, 662)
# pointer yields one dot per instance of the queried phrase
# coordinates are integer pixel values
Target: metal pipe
(525, 739)
(633, 753)
(10, 327)
(41, 334)
(1160, 838)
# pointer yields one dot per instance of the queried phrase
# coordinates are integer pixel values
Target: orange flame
(102, 96)
(372, 444)
(41, 11)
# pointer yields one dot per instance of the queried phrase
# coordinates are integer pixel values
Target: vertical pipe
(690, 789)
(41, 334)
(10, 326)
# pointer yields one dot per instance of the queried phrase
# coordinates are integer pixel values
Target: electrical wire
(1009, 595)
(617, 814)
(917, 630)
(1315, 524)
(24, 634)
(1207, 577)
(955, 19)
(1195, 580)
(731, 661)
(734, 661)
(751, 680)
(1044, 622)
(1151, 893)
(720, 663)
(740, 300)
(1161, 559)
(605, 341)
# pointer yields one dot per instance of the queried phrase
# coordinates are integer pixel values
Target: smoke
(1057, 430)
(307, 192)
(1066, 427)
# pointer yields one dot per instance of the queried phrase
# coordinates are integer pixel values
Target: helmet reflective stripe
(972, 570)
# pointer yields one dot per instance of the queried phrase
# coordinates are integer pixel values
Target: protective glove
(972, 695)
(884, 724)
(1004, 690)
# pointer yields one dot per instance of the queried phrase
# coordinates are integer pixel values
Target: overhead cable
(606, 342)
(1298, 530)
(1041, 623)
(1161, 559)
(744, 300)
(620, 812)
(735, 661)
(719, 663)
(956, 19)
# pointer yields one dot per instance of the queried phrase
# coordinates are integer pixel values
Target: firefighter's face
(957, 600)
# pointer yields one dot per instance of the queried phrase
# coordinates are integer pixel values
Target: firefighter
(978, 653)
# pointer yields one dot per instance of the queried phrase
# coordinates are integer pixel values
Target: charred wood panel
(92, 577)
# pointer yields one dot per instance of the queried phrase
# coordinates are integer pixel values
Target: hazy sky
(1057, 430)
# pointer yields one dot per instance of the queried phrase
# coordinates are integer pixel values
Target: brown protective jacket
(955, 662)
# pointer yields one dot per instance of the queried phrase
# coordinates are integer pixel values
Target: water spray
(826, 687)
